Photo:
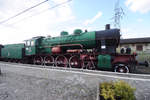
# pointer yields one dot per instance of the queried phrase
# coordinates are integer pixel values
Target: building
(139, 45)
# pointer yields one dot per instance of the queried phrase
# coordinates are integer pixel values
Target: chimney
(107, 27)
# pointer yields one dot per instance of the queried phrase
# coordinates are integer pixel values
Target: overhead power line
(57, 5)
(22, 12)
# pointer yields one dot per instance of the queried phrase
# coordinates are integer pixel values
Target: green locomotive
(91, 50)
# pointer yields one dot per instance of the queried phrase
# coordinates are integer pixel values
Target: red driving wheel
(61, 61)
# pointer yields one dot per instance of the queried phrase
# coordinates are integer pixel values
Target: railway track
(15, 66)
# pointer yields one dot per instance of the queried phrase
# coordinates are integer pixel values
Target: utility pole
(118, 15)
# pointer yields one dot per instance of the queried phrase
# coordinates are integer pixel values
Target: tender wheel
(49, 61)
(61, 61)
(121, 68)
(74, 62)
(38, 60)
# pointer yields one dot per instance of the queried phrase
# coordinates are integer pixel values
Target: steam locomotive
(87, 50)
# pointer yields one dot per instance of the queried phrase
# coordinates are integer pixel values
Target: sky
(92, 15)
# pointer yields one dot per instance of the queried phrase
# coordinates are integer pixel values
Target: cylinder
(56, 49)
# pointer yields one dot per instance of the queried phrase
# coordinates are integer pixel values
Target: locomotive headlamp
(103, 46)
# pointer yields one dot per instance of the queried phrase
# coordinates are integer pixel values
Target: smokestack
(107, 27)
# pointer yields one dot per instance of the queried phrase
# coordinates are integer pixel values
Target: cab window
(32, 43)
(27, 43)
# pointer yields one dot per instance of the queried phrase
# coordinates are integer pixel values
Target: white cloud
(143, 6)
(92, 20)
(25, 26)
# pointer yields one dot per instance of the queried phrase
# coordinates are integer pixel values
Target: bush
(118, 90)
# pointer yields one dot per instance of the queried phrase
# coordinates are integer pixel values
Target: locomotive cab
(32, 45)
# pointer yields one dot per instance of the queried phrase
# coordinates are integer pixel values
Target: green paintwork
(87, 39)
(30, 49)
(33, 46)
(77, 32)
(63, 33)
(104, 61)
(14, 51)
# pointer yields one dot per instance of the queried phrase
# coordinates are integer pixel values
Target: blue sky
(135, 22)
(83, 14)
